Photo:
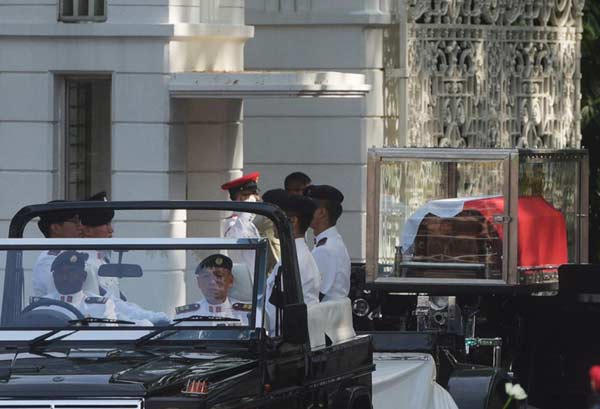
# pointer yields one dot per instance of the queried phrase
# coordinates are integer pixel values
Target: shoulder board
(96, 300)
(54, 252)
(240, 306)
(321, 242)
(33, 299)
(187, 308)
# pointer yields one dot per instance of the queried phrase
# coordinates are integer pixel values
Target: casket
(470, 231)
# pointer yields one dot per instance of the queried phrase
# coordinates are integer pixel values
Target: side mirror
(120, 270)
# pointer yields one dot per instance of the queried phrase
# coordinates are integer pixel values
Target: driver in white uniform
(214, 278)
(68, 271)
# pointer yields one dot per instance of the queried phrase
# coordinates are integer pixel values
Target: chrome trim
(72, 404)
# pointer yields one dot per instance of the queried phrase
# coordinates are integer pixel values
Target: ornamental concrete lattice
(486, 74)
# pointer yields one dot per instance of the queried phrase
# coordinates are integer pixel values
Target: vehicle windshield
(195, 288)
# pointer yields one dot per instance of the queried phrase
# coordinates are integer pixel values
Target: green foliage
(590, 111)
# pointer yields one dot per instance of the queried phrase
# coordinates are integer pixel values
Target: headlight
(360, 307)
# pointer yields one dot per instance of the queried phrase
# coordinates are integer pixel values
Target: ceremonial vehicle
(477, 257)
(54, 356)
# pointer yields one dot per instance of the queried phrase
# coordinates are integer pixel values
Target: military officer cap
(247, 184)
(324, 192)
(300, 205)
(55, 217)
(278, 197)
(72, 260)
(97, 217)
(215, 260)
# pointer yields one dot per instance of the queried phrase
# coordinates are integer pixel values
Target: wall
(139, 46)
(327, 139)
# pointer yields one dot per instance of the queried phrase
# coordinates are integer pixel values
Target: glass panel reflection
(441, 218)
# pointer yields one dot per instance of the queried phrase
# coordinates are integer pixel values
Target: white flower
(515, 391)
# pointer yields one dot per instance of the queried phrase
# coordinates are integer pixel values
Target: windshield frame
(14, 296)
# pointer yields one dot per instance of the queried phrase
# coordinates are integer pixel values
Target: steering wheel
(46, 302)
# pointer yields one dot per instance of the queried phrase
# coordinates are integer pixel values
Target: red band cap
(235, 183)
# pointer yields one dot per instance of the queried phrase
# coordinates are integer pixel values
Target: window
(87, 137)
(82, 10)
(479, 216)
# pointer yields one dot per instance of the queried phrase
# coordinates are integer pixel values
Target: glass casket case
(474, 217)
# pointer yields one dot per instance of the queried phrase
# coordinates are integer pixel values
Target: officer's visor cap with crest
(97, 217)
(71, 260)
(246, 184)
(215, 260)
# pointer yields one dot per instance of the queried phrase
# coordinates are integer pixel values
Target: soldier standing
(300, 210)
(330, 252)
(240, 225)
(296, 182)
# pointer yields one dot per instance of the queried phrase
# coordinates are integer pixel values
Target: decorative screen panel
(485, 74)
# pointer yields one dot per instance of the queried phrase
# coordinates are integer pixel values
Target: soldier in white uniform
(97, 223)
(62, 224)
(240, 225)
(68, 272)
(296, 182)
(214, 279)
(329, 252)
(300, 211)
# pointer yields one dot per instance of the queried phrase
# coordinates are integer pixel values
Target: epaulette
(96, 300)
(54, 252)
(33, 299)
(187, 308)
(240, 306)
(322, 242)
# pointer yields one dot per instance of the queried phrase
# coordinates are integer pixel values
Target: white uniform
(43, 281)
(89, 304)
(92, 265)
(230, 308)
(309, 276)
(240, 226)
(332, 258)
(125, 310)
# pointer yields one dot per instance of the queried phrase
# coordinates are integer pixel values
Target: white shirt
(127, 311)
(240, 226)
(309, 277)
(230, 308)
(89, 304)
(92, 265)
(332, 258)
(43, 281)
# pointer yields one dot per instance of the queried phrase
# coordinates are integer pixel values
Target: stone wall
(490, 74)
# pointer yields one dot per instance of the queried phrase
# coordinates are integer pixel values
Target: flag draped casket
(468, 230)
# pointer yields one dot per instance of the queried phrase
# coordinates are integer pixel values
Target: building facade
(85, 106)
(460, 74)
(144, 98)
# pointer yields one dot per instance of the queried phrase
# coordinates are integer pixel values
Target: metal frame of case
(511, 160)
